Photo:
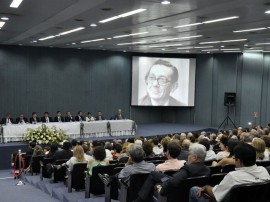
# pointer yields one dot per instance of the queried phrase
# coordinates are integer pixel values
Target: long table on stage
(104, 128)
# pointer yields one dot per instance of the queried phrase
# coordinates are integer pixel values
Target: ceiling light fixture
(204, 47)
(210, 42)
(4, 18)
(165, 2)
(45, 38)
(262, 44)
(248, 30)
(185, 37)
(211, 50)
(71, 31)
(188, 25)
(230, 49)
(94, 40)
(2, 24)
(233, 51)
(93, 25)
(253, 50)
(267, 12)
(139, 42)
(15, 3)
(183, 48)
(126, 35)
(220, 19)
(226, 41)
(122, 15)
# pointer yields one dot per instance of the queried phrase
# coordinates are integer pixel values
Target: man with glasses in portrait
(161, 81)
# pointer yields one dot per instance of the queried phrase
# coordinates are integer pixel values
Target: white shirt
(222, 154)
(241, 175)
(157, 150)
(89, 119)
(210, 155)
(109, 156)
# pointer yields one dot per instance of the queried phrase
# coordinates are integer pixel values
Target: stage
(145, 130)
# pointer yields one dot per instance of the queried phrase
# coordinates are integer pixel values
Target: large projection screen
(163, 81)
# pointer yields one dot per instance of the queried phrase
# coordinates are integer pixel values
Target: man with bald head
(161, 81)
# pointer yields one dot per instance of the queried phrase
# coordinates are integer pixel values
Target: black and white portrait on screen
(163, 81)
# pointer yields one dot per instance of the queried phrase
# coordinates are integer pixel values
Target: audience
(66, 153)
(223, 144)
(184, 150)
(52, 151)
(210, 154)
(99, 158)
(259, 145)
(78, 157)
(157, 149)
(148, 149)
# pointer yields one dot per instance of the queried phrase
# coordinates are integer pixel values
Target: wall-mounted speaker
(229, 99)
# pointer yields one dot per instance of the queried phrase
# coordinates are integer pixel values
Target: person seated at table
(69, 117)
(7, 120)
(58, 117)
(99, 158)
(46, 118)
(21, 119)
(99, 116)
(119, 115)
(89, 117)
(34, 119)
(79, 117)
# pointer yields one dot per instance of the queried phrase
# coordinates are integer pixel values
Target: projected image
(163, 81)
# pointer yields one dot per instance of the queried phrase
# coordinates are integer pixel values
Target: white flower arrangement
(45, 135)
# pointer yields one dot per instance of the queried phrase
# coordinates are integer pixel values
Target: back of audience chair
(263, 163)
(228, 168)
(59, 174)
(27, 160)
(209, 162)
(129, 192)
(76, 177)
(46, 168)
(35, 165)
(216, 178)
(215, 169)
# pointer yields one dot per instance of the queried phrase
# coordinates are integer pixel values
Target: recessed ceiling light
(222, 46)
(34, 41)
(211, 50)
(2, 24)
(210, 42)
(4, 18)
(94, 40)
(164, 30)
(139, 42)
(73, 43)
(220, 19)
(204, 47)
(267, 12)
(163, 49)
(262, 44)
(188, 25)
(183, 48)
(123, 15)
(165, 2)
(126, 35)
(230, 49)
(93, 25)
(71, 31)
(233, 51)
(248, 30)
(15, 3)
(45, 38)
(109, 38)
(124, 51)
(234, 40)
(187, 51)
(185, 37)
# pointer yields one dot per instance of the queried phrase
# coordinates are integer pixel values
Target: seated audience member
(38, 151)
(46, 118)
(74, 143)
(89, 117)
(69, 117)
(117, 151)
(138, 142)
(99, 116)
(184, 150)
(124, 152)
(34, 118)
(158, 150)
(86, 153)
(216, 146)
(7, 120)
(108, 149)
(223, 144)
(119, 115)
(259, 145)
(173, 151)
(267, 143)
(58, 117)
(246, 172)
(148, 149)
(53, 149)
(21, 119)
(230, 159)
(79, 117)
(164, 143)
(78, 157)
(66, 153)
(30, 149)
(210, 154)
(213, 137)
(195, 167)
(135, 163)
(99, 155)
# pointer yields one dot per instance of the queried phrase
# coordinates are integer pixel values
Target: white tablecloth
(73, 129)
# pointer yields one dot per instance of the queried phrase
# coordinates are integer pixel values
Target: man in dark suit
(69, 117)
(194, 168)
(46, 118)
(58, 117)
(34, 119)
(7, 120)
(119, 115)
(21, 119)
(66, 153)
(79, 117)
(99, 116)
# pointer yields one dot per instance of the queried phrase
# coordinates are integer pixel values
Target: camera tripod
(227, 119)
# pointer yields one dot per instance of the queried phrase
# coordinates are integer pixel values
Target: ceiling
(37, 19)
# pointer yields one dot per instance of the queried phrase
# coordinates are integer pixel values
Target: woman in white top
(89, 117)
(78, 157)
(223, 144)
(259, 145)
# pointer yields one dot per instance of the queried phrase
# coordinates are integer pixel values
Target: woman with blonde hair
(78, 157)
(259, 145)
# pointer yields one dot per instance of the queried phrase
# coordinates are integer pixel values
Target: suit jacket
(43, 119)
(102, 118)
(69, 119)
(18, 120)
(77, 118)
(31, 120)
(63, 154)
(4, 120)
(56, 119)
(146, 100)
(117, 117)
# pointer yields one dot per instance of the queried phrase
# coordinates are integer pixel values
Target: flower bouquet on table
(45, 135)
